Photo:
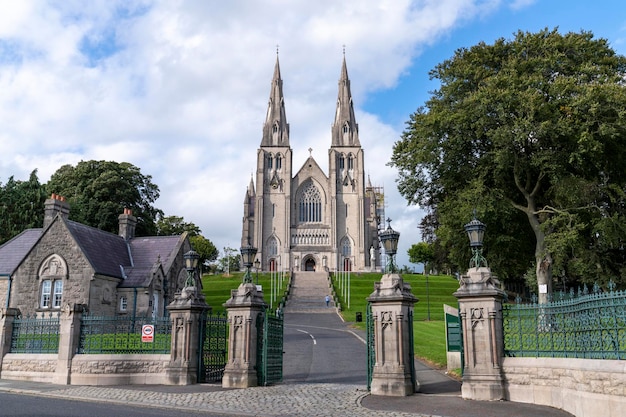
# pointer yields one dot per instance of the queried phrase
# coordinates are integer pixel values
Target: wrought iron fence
(121, 334)
(575, 325)
(36, 334)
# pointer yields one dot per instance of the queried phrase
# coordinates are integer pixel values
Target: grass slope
(217, 288)
(429, 335)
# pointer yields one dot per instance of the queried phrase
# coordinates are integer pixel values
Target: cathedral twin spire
(345, 130)
(276, 128)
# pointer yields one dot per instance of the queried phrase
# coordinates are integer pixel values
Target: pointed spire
(276, 128)
(345, 130)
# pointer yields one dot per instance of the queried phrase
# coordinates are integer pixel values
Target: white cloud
(179, 89)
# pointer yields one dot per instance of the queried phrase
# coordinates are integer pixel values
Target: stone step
(308, 292)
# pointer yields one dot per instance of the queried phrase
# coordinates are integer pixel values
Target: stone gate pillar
(186, 313)
(392, 305)
(7, 315)
(480, 309)
(244, 306)
(69, 338)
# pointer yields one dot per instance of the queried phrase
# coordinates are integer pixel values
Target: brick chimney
(53, 206)
(127, 224)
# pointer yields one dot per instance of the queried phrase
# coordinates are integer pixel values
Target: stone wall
(137, 369)
(583, 387)
(4, 287)
(29, 367)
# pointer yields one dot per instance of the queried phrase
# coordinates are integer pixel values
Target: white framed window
(51, 293)
(52, 272)
(58, 294)
(46, 289)
(123, 303)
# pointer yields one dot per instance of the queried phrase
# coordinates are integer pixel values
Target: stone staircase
(308, 290)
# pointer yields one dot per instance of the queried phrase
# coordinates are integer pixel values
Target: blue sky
(180, 89)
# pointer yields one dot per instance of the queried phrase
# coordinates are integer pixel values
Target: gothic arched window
(350, 162)
(310, 205)
(279, 162)
(269, 161)
(340, 162)
(272, 246)
(346, 247)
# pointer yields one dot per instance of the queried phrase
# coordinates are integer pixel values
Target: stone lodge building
(308, 220)
(66, 262)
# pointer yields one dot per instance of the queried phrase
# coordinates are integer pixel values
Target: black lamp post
(257, 266)
(389, 239)
(248, 253)
(191, 263)
(476, 233)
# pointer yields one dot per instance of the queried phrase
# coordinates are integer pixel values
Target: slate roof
(145, 252)
(13, 251)
(105, 251)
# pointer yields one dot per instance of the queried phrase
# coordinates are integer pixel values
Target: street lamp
(389, 239)
(257, 266)
(191, 263)
(476, 233)
(248, 253)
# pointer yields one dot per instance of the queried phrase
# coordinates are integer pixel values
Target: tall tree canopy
(98, 192)
(21, 206)
(530, 132)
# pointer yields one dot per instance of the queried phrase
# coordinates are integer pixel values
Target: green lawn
(429, 335)
(217, 288)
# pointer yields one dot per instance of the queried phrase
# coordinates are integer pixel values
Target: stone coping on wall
(582, 387)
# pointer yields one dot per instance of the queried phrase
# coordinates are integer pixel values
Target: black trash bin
(359, 316)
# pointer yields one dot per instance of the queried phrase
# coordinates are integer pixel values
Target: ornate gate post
(392, 306)
(244, 306)
(480, 308)
(186, 313)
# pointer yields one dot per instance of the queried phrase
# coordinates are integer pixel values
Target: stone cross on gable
(310, 151)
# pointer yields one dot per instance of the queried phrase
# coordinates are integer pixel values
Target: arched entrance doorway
(309, 264)
(347, 264)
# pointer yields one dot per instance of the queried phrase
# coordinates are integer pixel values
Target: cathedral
(309, 220)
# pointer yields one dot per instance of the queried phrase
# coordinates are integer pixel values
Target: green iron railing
(32, 334)
(123, 335)
(269, 348)
(214, 347)
(584, 325)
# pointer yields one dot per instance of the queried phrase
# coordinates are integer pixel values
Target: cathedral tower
(311, 221)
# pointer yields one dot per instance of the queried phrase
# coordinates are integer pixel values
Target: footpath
(439, 394)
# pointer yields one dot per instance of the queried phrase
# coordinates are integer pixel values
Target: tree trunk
(543, 259)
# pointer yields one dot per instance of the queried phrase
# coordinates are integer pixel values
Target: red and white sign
(147, 333)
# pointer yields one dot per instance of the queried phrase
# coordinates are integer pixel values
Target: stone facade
(308, 220)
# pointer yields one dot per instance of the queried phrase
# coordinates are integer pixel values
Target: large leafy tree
(21, 206)
(98, 192)
(530, 132)
(175, 225)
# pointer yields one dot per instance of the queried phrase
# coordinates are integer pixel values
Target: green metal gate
(371, 349)
(269, 348)
(213, 347)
